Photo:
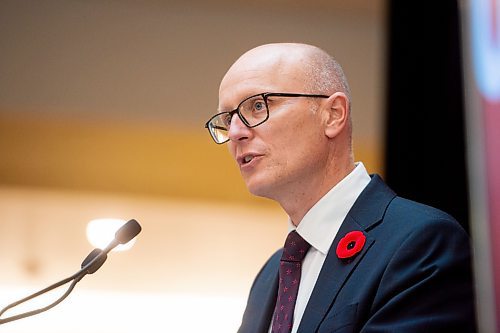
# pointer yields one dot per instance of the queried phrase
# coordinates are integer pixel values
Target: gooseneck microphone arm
(75, 277)
(90, 265)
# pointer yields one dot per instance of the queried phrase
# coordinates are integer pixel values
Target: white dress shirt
(319, 228)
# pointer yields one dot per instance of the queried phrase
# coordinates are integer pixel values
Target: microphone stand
(94, 260)
(92, 263)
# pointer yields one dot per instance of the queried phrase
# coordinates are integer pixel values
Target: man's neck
(296, 204)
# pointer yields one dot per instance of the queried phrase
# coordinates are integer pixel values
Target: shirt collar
(322, 222)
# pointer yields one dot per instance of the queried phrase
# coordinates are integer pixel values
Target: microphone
(94, 260)
(97, 257)
(128, 231)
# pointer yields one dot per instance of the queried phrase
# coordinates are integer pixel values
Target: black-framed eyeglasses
(252, 111)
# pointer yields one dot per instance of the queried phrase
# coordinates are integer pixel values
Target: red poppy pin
(350, 245)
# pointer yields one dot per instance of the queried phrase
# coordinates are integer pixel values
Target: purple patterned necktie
(294, 251)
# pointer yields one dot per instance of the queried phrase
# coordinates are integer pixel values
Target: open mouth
(247, 159)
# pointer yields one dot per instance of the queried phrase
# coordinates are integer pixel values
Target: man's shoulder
(379, 207)
(418, 214)
(409, 223)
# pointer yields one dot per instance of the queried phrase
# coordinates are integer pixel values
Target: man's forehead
(239, 85)
(246, 78)
(269, 68)
(260, 75)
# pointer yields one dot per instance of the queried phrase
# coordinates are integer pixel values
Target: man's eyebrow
(226, 109)
(229, 109)
(219, 110)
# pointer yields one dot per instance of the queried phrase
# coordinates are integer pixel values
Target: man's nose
(238, 130)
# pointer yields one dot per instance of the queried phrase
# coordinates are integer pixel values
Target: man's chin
(260, 189)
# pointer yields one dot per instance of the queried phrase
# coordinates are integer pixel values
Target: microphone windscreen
(91, 256)
(128, 231)
(97, 264)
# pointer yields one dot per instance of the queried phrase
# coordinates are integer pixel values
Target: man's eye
(259, 106)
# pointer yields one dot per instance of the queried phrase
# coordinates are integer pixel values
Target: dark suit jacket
(413, 274)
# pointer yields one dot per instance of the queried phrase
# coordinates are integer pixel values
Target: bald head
(316, 70)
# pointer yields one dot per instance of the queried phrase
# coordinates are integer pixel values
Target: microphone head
(128, 231)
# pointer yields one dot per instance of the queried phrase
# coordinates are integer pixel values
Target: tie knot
(295, 248)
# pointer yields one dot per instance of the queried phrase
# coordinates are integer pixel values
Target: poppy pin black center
(351, 245)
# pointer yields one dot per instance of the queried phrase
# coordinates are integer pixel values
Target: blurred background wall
(102, 107)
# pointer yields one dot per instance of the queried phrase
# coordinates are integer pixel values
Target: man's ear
(336, 114)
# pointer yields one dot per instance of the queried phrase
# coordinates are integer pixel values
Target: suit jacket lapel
(366, 212)
(262, 299)
(266, 309)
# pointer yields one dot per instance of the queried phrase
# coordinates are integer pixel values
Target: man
(359, 258)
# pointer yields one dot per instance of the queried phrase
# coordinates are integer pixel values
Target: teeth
(247, 158)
